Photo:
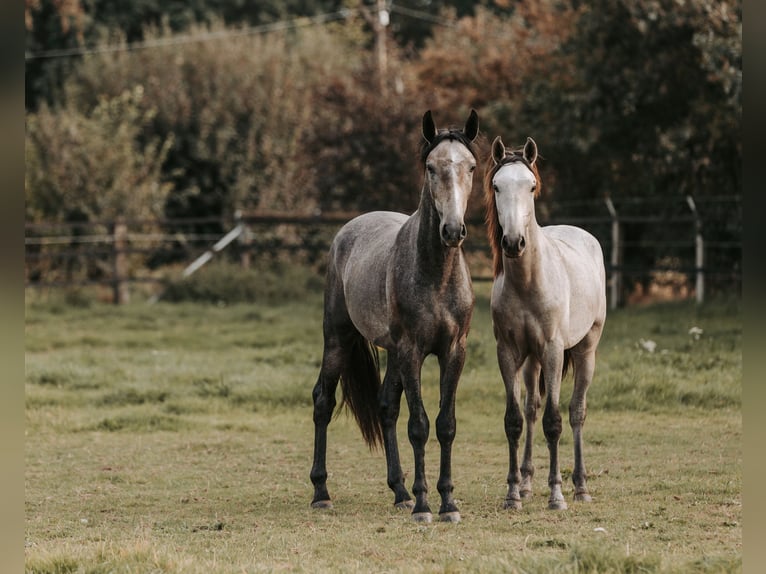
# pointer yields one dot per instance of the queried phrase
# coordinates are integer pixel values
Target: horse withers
(402, 284)
(548, 310)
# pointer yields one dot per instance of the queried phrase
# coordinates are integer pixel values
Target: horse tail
(360, 385)
(567, 363)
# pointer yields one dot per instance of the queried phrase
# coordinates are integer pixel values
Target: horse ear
(471, 129)
(530, 151)
(429, 127)
(498, 150)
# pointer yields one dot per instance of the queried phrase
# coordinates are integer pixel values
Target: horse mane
(452, 134)
(494, 230)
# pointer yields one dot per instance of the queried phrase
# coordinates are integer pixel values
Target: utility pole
(379, 21)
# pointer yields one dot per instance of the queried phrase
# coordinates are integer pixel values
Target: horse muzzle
(453, 235)
(513, 248)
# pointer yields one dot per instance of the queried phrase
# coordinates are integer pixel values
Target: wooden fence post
(615, 278)
(120, 242)
(699, 252)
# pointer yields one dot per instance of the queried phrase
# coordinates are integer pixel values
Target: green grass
(178, 438)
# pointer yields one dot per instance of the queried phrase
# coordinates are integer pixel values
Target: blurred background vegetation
(169, 109)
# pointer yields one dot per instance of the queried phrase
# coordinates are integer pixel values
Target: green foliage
(239, 111)
(93, 165)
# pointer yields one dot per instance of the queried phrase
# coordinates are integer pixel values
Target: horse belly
(369, 243)
(583, 262)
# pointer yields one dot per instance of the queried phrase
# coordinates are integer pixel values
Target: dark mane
(494, 231)
(450, 134)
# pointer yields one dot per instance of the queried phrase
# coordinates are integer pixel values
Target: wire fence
(681, 247)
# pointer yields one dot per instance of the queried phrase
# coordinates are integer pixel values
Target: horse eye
(472, 168)
(495, 188)
(431, 169)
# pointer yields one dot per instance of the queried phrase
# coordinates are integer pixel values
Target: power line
(282, 25)
(261, 29)
(420, 15)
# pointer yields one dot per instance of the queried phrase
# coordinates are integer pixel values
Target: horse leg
(531, 375)
(324, 404)
(390, 402)
(513, 422)
(417, 430)
(451, 367)
(584, 367)
(553, 360)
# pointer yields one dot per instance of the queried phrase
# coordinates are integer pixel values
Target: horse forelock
(494, 229)
(446, 135)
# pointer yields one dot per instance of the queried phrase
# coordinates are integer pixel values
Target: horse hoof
(512, 504)
(557, 505)
(323, 504)
(453, 517)
(583, 497)
(425, 517)
(405, 505)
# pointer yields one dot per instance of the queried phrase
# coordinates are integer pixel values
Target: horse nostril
(463, 231)
(522, 243)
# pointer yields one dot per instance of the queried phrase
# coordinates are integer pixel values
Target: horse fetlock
(525, 486)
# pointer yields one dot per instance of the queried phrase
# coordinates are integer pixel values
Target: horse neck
(430, 249)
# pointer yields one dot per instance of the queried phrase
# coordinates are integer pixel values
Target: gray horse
(401, 283)
(548, 309)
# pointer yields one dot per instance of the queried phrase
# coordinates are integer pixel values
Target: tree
(94, 166)
(50, 25)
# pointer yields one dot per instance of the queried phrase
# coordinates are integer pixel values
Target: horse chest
(526, 324)
(432, 317)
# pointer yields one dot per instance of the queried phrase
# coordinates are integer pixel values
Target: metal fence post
(615, 278)
(699, 252)
(120, 283)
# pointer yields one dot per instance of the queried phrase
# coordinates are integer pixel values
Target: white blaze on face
(450, 178)
(514, 196)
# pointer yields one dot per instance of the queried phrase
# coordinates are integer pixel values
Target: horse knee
(577, 414)
(445, 429)
(418, 429)
(530, 413)
(513, 424)
(552, 424)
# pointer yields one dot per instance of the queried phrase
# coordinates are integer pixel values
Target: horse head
(511, 189)
(450, 161)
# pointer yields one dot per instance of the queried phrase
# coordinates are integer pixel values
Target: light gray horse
(548, 309)
(401, 283)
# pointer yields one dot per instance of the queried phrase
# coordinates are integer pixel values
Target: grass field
(178, 438)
